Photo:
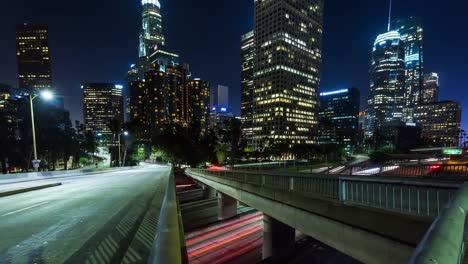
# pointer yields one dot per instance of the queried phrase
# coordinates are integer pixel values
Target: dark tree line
(57, 140)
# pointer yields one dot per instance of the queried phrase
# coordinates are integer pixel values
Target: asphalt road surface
(225, 241)
(88, 219)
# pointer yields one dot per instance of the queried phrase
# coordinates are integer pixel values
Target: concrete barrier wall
(30, 176)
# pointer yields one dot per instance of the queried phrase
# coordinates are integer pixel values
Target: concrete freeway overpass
(371, 220)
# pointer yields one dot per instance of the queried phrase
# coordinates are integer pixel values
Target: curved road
(88, 219)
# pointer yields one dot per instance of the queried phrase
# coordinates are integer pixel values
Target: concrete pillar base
(227, 206)
(209, 192)
(278, 239)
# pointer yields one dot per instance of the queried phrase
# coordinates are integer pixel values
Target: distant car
(434, 169)
(217, 168)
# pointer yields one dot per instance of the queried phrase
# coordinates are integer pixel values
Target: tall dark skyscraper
(339, 117)
(151, 36)
(32, 52)
(247, 85)
(430, 91)
(219, 96)
(411, 33)
(386, 101)
(288, 55)
(102, 102)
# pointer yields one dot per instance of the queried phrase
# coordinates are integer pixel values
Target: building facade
(5, 95)
(430, 91)
(32, 53)
(411, 33)
(247, 85)
(440, 123)
(219, 96)
(339, 118)
(151, 36)
(287, 64)
(102, 102)
(198, 107)
(386, 101)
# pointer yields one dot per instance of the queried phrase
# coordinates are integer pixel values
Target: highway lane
(225, 241)
(88, 219)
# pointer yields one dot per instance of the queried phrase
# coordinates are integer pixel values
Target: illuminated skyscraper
(386, 101)
(247, 85)
(440, 122)
(430, 91)
(288, 38)
(32, 52)
(102, 102)
(151, 36)
(411, 33)
(198, 107)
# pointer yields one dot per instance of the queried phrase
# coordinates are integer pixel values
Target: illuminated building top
(151, 35)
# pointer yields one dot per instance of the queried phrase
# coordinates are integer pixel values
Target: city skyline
(337, 69)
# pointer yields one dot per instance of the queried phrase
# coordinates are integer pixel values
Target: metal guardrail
(168, 245)
(445, 240)
(421, 198)
(454, 171)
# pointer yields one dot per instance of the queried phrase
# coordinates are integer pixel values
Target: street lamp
(46, 95)
(125, 133)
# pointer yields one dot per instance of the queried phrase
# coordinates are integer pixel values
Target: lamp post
(47, 95)
(125, 133)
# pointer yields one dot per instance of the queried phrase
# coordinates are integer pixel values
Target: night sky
(96, 41)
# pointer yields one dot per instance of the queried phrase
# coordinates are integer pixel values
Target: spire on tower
(390, 16)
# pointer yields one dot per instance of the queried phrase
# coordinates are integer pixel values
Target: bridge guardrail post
(291, 184)
(341, 190)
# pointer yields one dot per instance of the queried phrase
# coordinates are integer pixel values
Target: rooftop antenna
(390, 16)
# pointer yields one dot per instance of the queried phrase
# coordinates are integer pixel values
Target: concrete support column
(278, 238)
(210, 192)
(227, 206)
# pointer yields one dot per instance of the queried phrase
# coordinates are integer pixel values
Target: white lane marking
(26, 208)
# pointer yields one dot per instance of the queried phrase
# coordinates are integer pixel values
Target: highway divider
(31, 176)
(29, 189)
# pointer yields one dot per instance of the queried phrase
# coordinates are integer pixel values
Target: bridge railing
(445, 241)
(412, 196)
(457, 171)
(421, 198)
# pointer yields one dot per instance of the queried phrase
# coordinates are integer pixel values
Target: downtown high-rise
(32, 52)
(430, 91)
(102, 103)
(247, 85)
(151, 35)
(411, 33)
(386, 100)
(339, 117)
(287, 62)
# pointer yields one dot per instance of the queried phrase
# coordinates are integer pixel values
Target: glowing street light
(46, 95)
(125, 133)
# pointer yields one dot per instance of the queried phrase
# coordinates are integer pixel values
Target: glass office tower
(151, 36)
(288, 55)
(102, 102)
(386, 101)
(411, 33)
(247, 85)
